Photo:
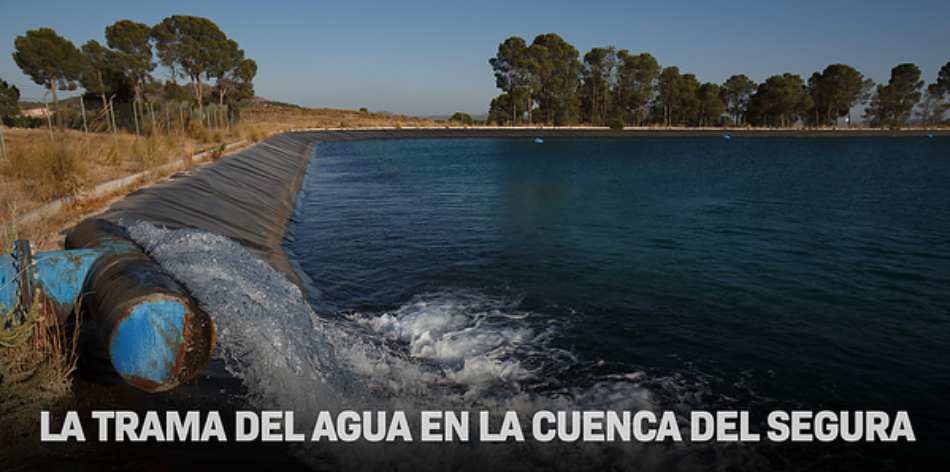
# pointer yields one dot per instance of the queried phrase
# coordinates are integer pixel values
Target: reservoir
(671, 275)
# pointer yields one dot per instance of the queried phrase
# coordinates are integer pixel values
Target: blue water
(743, 274)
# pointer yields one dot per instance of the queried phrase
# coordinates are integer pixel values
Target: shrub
(218, 151)
(196, 130)
(37, 355)
(616, 123)
(35, 349)
(65, 167)
(252, 133)
(155, 150)
(24, 122)
(109, 155)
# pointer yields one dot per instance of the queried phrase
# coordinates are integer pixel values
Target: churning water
(599, 275)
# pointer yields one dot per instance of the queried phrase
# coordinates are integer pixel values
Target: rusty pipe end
(162, 342)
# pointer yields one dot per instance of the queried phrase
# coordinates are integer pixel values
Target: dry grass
(275, 119)
(37, 355)
(41, 171)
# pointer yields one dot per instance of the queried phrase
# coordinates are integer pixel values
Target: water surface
(664, 274)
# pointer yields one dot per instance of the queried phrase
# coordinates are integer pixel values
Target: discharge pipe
(156, 335)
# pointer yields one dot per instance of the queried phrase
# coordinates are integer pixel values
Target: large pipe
(156, 335)
(59, 275)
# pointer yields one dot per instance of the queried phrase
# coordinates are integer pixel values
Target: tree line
(548, 82)
(190, 47)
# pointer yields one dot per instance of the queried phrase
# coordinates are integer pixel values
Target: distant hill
(255, 102)
(261, 102)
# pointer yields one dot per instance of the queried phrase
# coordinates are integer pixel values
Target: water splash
(444, 350)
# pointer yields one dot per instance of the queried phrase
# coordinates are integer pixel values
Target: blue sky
(427, 57)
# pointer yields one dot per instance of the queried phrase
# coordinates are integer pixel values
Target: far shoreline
(334, 134)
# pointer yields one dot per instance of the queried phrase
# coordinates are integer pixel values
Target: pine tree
(50, 61)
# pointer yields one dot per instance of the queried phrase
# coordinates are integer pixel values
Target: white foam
(470, 338)
(445, 350)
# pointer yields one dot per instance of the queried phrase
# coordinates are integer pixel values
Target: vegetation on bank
(47, 164)
(548, 82)
(38, 353)
(126, 121)
(121, 72)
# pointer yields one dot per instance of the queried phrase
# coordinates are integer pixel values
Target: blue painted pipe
(58, 275)
(156, 335)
